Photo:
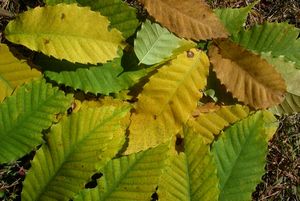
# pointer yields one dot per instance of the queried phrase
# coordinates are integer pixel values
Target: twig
(5, 13)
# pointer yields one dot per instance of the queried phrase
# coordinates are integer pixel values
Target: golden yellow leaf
(167, 100)
(192, 19)
(250, 78)
(209, 124)
(13, 72)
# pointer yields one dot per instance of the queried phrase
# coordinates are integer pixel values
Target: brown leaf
(247, 76)
(192, 19)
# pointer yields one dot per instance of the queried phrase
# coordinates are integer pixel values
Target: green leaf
(290, 74)
(24, 115)
(13, 72)
(103, 79)
(240, 155)
(191, 175)
(76, 148)
(234, 18)
(120, 15)
(129, 178)
(154, 43)
(277, 38)
(64, 36)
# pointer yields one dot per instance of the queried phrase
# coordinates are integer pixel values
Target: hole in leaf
(97, 176)
(154, 196)
(179, 144)
(93, 182)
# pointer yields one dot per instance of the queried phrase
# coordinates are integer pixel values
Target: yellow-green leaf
(129, 178)
(191, 175)
(13, 72)
(76, 148)
(168, 99)
(69, 32)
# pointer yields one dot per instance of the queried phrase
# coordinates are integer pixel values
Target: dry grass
(282, 180)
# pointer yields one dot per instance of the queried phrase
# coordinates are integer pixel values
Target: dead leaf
(250, 78)
(192, 19)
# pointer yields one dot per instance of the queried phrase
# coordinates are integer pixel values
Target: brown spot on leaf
(46, 41)
(62, 16)
(190, 54)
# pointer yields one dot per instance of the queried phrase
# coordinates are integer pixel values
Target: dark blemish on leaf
(62, 16)
(73, 106)
(46, 41)
(190, 54)
(154, 117)
(179, 144)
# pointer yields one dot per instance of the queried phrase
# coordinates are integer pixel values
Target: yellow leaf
(209, 124)
(247, 76)
(192, 19)
(69, 32)
(167, 100)
(13, 72)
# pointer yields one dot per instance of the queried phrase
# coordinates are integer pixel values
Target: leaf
(240, 155)
(246, 75)
(290, 105)
(120, 15)
(290, 74)
(76, 148)
(54, 2)
(209, 124)
(66, 37)
(154, 43)
(109, 78)
(129, 178)
(13, 72)
(277, 38)
(234, 18)
(191, 175)
(23, 116)
(167, 100)
(191, 19)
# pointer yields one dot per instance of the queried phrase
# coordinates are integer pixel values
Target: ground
(282, 178)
